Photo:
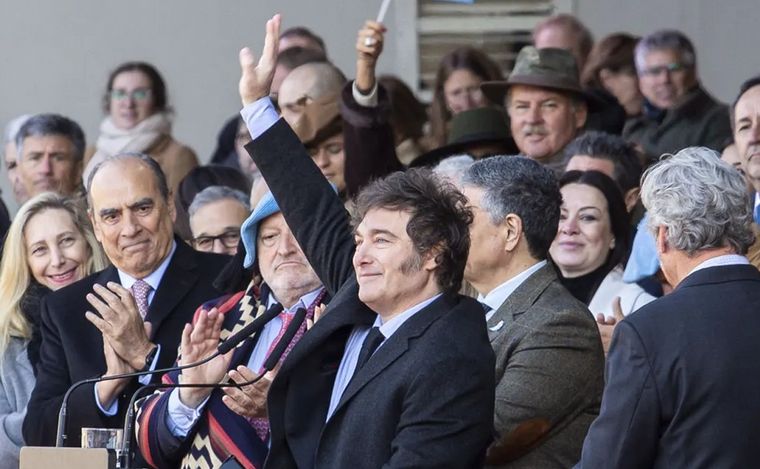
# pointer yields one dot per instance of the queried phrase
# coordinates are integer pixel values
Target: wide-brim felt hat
(550, 68)
(481, 126)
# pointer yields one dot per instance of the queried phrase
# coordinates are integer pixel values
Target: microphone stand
(224, 347)
(269, 364)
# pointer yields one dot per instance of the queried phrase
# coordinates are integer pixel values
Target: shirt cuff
(259, 116)
(181, 418)
(365, 100)
(145, 379)
(112, 410)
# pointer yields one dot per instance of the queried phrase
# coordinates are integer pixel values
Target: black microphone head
(253, 328)
(285, 340)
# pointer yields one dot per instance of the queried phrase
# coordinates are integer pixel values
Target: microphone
(253, 328)
(269, 364)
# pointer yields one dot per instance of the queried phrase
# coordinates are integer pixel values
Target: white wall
(724, 32)
(56, 54)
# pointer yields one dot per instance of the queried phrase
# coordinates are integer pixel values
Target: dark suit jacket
(549, 373)
(683, 377)
(425, 399)
(72, 348)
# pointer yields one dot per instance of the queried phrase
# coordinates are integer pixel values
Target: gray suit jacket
(549, 374)
(16, 384)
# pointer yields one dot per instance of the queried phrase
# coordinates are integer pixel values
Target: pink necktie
(140, 290)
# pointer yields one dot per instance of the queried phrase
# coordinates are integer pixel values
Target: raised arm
(312, 209)
(369, 143)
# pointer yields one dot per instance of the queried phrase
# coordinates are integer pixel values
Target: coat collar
(720, 274)
(398, 344)
(521, 299)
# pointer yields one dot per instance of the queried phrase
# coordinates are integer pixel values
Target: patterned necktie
(140, 290)
(261, 425)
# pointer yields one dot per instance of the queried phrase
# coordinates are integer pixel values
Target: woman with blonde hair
(50, 244)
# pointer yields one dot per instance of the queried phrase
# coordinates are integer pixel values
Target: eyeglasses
(672, 67)
(229, 239)
(138, 94)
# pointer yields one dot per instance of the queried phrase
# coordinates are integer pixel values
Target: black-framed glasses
(229, 239)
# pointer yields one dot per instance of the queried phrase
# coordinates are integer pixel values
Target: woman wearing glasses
(138, 119)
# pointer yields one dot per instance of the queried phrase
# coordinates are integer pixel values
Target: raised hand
(606, 325)
(199, 341)
(249, 401)
(120, 323)
(256, 78)
(369, 46)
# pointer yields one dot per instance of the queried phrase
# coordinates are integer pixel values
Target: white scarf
(113, 140)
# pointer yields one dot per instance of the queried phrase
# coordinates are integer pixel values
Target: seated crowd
(552, 268)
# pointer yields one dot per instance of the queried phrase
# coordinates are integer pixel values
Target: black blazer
(72, 348)
(683, 379)
(425, 399)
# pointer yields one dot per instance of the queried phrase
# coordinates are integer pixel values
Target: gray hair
(700, 200)
(163, 186)
(12, 128)
(667, 39)
(213, 194)
(453, 167)
(51, 124)
(524, 187)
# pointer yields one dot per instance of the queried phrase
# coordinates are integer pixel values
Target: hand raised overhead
(256, 78)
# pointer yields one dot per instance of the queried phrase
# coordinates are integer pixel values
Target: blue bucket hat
(249, 230)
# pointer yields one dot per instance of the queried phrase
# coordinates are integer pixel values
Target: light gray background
(56, 54)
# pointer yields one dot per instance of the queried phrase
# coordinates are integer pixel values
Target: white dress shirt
(496, 297)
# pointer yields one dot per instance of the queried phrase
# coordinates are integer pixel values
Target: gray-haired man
(549, 360)
(682, 377)
(677, 112)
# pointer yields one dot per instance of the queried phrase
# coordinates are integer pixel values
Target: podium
(36, 457)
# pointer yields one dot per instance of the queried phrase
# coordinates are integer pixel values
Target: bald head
(305, 83)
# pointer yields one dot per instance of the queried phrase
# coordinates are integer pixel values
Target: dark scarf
(30, 307)
(584, 287)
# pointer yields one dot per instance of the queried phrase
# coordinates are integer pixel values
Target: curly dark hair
(439, 218)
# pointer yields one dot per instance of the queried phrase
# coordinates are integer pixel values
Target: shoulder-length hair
(464, 58)
(15, 276)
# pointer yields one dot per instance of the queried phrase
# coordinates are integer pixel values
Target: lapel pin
(498, 326)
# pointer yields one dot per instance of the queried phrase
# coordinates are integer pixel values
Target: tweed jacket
(549, 374)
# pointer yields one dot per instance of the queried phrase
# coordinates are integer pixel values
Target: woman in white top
(592, 244)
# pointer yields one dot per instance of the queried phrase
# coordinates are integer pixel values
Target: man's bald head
(307, 83)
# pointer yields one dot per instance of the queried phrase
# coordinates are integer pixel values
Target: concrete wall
(56, 54)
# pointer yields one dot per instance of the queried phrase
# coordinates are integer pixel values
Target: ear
(512, 231)
(95, 226)
(631, 198)
(604, 76)
(661, 240)
(430, 260)
(171, 207)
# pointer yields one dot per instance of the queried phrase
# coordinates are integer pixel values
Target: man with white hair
(677, 111)
(682, 380)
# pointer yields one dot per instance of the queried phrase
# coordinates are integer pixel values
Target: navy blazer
(72, 348)
(426, 397)
(683, 379)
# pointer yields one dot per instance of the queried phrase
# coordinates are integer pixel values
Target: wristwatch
(150, 357)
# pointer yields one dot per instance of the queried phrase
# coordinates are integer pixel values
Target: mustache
(531, 129)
